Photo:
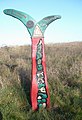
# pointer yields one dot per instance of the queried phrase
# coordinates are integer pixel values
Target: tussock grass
(64, 71)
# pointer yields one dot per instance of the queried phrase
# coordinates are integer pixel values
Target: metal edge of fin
(26, 19)
(43, 24)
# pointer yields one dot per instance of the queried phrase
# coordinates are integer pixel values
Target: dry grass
(64, 71)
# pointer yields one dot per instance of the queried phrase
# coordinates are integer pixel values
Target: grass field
(64, 71)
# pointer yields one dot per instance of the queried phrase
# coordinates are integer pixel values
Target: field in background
(64, 71)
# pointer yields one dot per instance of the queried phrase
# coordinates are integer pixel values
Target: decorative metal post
(39, 89)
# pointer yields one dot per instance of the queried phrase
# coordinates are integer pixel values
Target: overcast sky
(66, 29)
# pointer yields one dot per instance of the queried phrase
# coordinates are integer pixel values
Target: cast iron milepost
(39, 88)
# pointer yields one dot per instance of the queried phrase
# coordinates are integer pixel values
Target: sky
(66, 29)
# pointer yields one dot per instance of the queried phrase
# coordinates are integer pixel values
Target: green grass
(64, 71)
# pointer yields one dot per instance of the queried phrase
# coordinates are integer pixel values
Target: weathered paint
(39, 88)
(40, 95)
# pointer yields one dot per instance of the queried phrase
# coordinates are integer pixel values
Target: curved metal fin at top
(26, 19)
(43, 24)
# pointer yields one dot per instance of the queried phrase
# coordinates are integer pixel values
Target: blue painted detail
(41, 85)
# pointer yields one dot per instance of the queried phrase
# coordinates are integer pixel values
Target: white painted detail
(40, 74)
(37, 32)
(43, 90)
(44, 105)
(39, 97)
(40, 80)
